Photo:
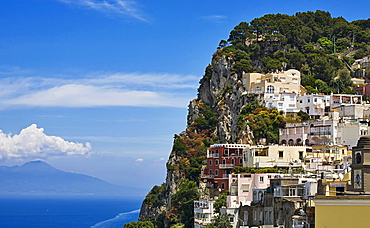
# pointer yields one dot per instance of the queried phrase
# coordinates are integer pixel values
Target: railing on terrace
(202, 222)
(207, 176)
(224, 166)
(213, 156)
(321, 133)
(230, 145)
(225, 176)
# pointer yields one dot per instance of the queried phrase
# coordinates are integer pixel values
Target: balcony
(207, 176)
(213, 156)
(226, 166)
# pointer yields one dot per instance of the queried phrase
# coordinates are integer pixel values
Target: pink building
(241, 187)
(361, 90)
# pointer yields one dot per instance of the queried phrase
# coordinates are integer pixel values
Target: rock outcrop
(225, 93)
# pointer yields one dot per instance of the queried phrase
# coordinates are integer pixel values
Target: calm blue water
(68, 213)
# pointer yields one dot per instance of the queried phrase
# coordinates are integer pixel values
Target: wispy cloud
(110, 7)
(98, 89)
(214, 18)
(32, 142)
(112, 139)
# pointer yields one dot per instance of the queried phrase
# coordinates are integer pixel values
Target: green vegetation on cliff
(321, 47)
(315, 43)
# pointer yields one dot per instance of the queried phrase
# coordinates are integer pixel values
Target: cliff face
(223, 92)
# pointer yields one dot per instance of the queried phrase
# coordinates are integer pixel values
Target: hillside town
(317, 173)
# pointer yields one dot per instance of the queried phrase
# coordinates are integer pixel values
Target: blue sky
(100, 87)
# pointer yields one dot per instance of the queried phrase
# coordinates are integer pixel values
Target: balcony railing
(207, 176)
(213, 156)
(224, 166)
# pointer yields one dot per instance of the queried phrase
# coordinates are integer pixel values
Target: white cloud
(139, 160)
(32, 142)
(214, 18)
(117, 7)
(99, 89)
(90, 96)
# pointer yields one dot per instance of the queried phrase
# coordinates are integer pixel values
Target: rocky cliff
(224, 113)
(222, 90)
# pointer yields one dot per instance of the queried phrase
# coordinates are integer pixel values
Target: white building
(314, 104)
(286, 102)
(203, 212)
(318, 105)
(274, 155)
(331, 130)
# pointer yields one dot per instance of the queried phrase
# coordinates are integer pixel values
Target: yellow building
(352, 207)
(342, 211)
(330, 153)
(273, 83)
(334, 186)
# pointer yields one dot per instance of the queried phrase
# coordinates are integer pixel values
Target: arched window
(270, 89)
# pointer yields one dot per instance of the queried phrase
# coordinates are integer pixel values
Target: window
(292, 192)
(210, 172)
(300, 155)
(281, 154)
(223, 161)
(231, 218)
(308, 100)
(210, 162)
(261, 179)
(258, 89)
(216, 172)
(232, 161)
(226, 152)
(241, 161)
(270, 89)
(261, 151)
(270, 216)
(245, 187)
(216, 162)
(295, 81)
(223, 185)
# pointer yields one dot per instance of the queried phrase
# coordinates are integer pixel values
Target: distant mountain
(38, 178)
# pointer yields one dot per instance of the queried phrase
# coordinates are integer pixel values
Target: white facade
(320, 131)
(273, 155)
(203, 212)
(349, 131)
(314, 104)
(348, 105)
(286, 102)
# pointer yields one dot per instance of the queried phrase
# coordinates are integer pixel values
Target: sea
(68, 212)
